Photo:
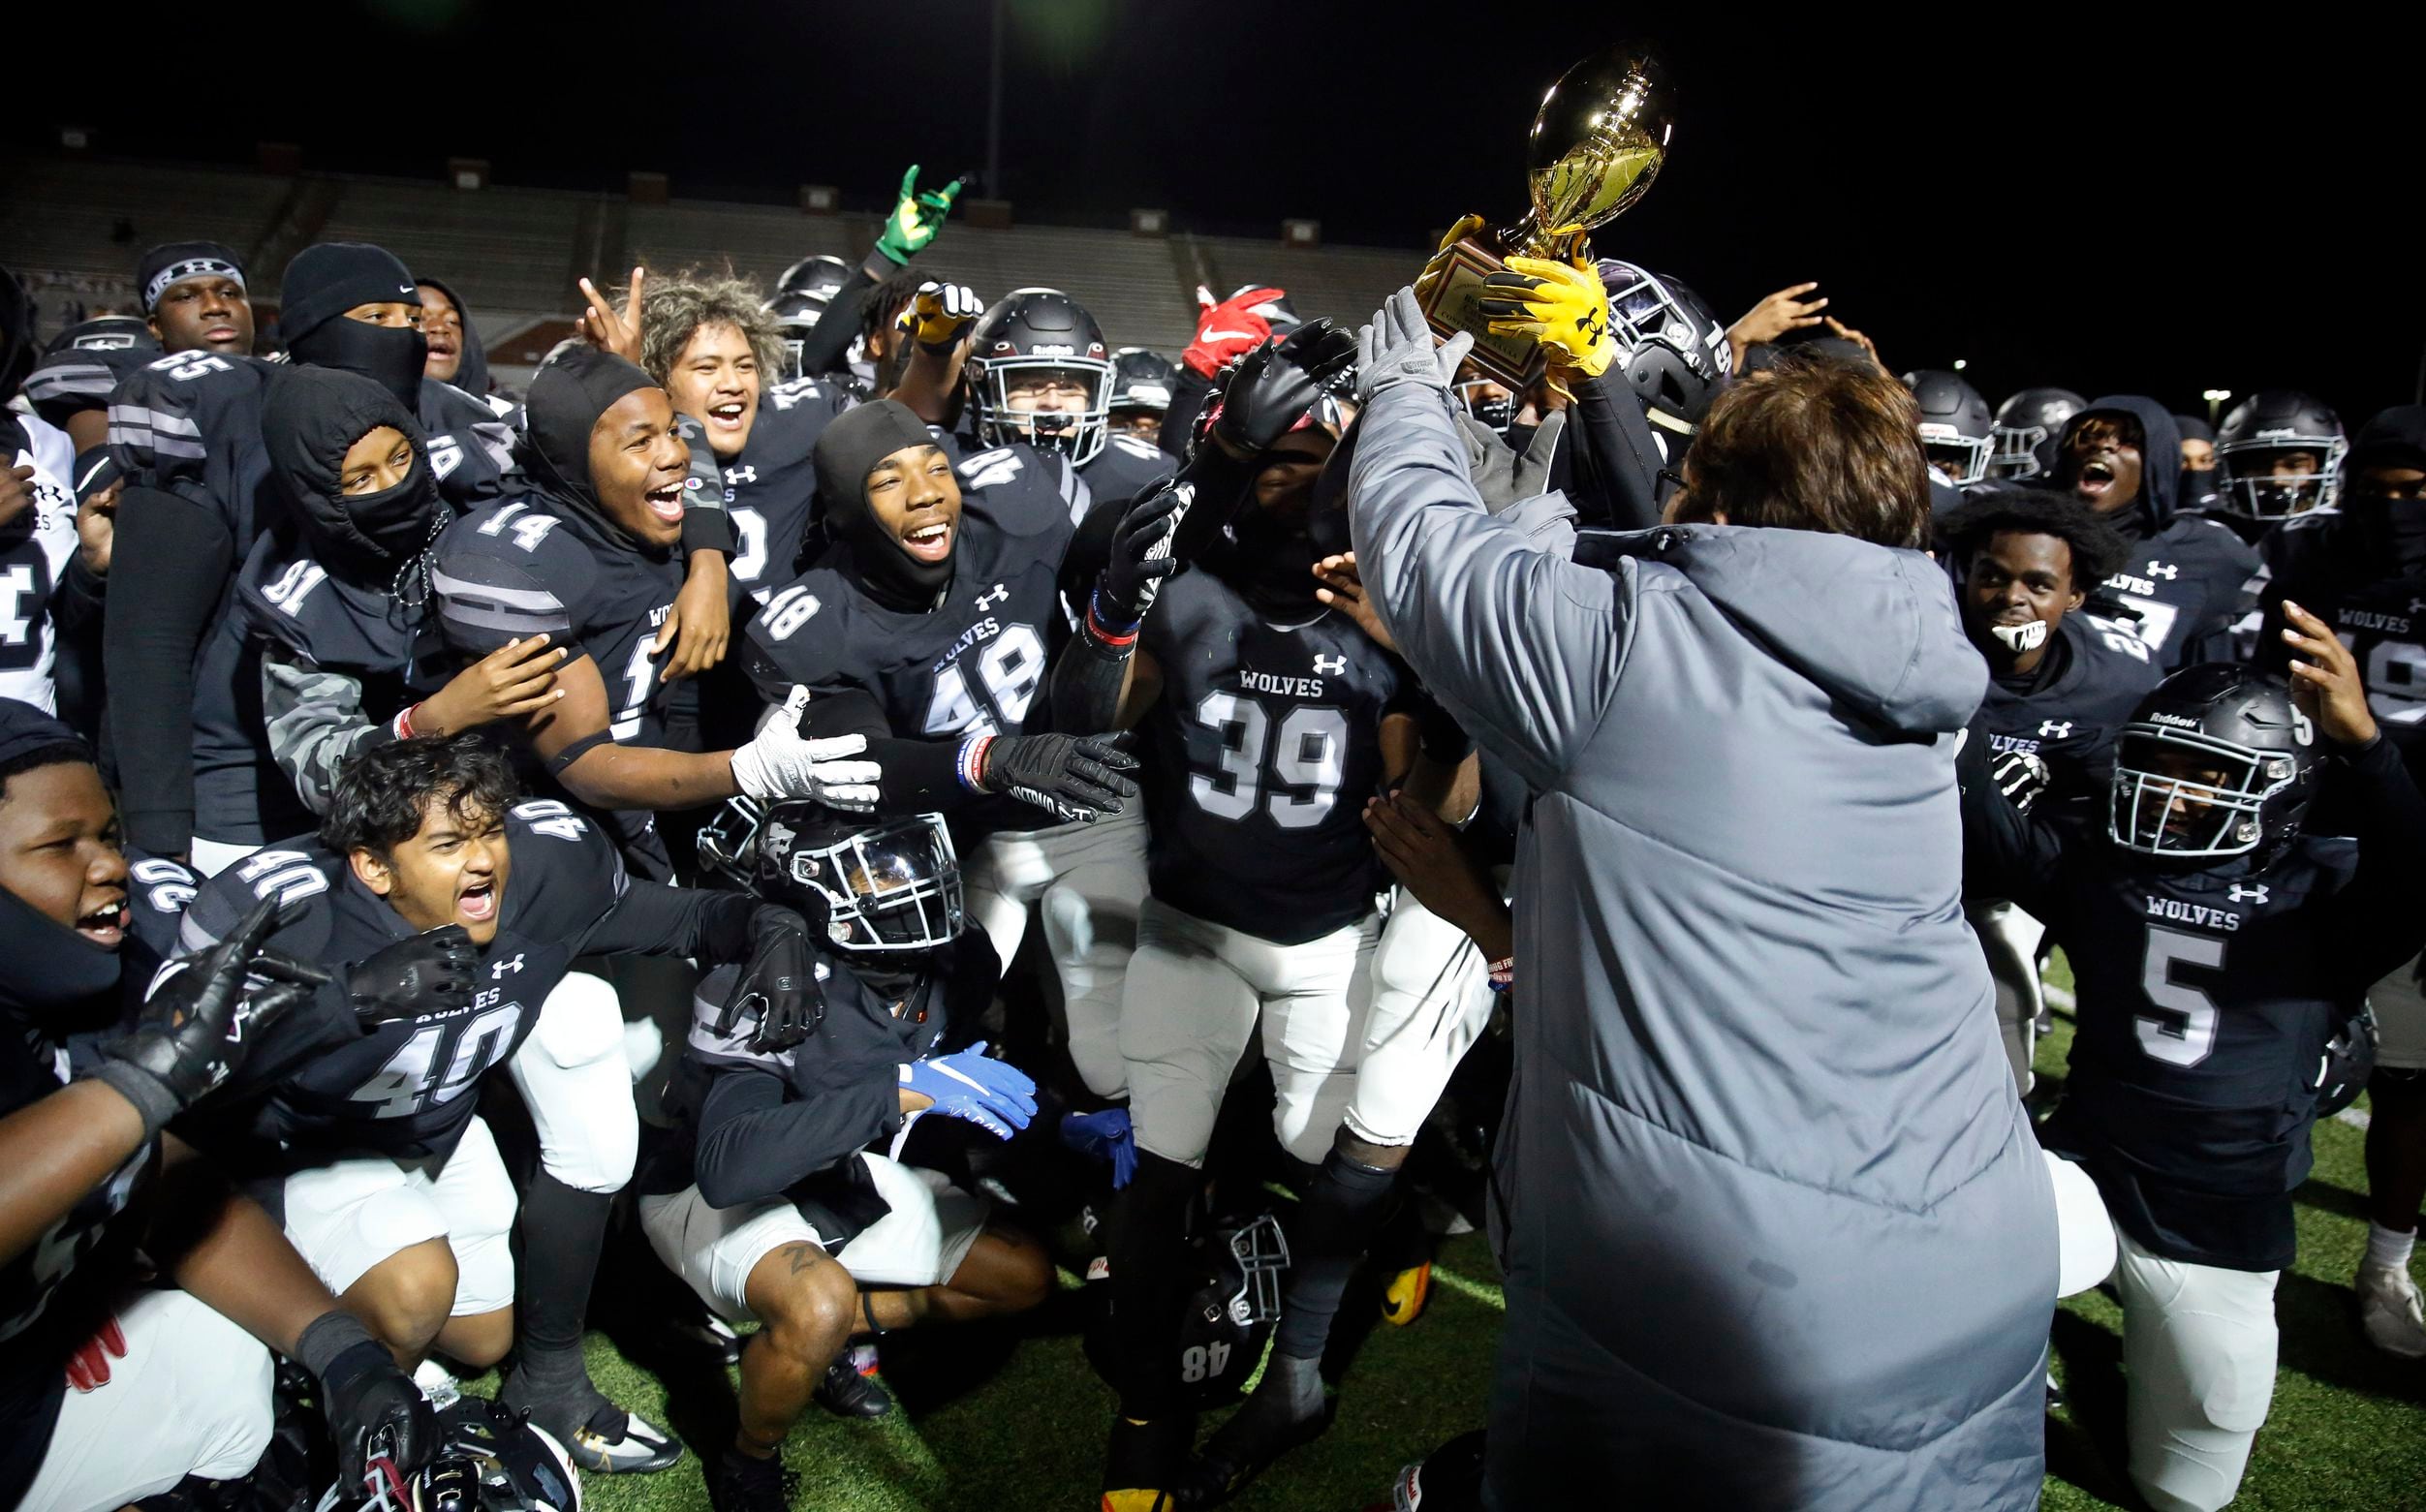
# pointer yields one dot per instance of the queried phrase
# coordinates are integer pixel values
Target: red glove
(1226, 331)
(88, 1368)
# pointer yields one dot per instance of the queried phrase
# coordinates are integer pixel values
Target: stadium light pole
(994, 109)
(2215, 398)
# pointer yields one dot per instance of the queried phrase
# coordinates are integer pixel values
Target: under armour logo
(735, 476)
(497, 973)
(2417, 605)
(2240, 894)
(2164, 570)
(2057, 728)
(999, 595)
(1331, 665)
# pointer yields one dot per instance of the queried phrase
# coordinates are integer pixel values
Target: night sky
(2097, 202)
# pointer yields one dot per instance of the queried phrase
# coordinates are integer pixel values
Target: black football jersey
(76, 380)
(189, 424)
(1018, 477)
(770, 489)
(405, 1089)
(471, 447)
(158, 891)
(1126, 467)
(2207, 996)
(35, 550)
(2066, 711)
(1263, 746)
(2186, 584)
(977, 665)
(2383, 623)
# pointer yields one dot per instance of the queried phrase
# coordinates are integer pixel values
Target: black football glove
(778, 983)
(1071, 777)
(433, 973)
(1141, 554)
(2022, 777)
(1271, 387)
(197, 1027)
(374, 1410)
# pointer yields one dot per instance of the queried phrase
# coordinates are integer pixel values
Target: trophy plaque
(1597, 144)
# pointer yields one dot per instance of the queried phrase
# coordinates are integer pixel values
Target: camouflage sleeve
(706, 524)
(315, 721)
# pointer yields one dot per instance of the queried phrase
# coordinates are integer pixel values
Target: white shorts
(1195, 992)
(1086, 880)
(919, 1242)
(353, 1214)
(190, 1398)
(2400, 1020)
(1431, 1001)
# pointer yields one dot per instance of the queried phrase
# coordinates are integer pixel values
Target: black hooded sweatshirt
(472, 370)
(2189, 577)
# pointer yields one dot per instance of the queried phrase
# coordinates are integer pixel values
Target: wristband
(154, 1103)
(325, 1339)
(972, 761)
(1099, 627)
(404, 722)
(1504, 974)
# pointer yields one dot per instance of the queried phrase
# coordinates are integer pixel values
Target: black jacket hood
(2160, 452)
(311, 417)
(472, 376)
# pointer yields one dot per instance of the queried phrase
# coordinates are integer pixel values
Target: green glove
(917, 218)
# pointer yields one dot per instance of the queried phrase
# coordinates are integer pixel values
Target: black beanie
(327, 280)
(852, 444)
(175, 262)
(568, 394)
(2192, 428)
(25, 728)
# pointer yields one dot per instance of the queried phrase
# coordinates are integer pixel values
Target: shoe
(439, 1384)
(742, 1484)
(1288, 1408)
(596, 1435)
(2389, 1309)
(1402, 1299)
(862, 1356)
(2055, 1393)
(846, 1393)
(1145, 1463)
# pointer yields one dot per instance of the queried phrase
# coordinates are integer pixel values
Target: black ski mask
(330, 278)
(50, 968)
(1272, 549)
(872, 555)
(310, 419)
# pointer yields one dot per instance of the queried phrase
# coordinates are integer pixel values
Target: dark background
(2073, 198)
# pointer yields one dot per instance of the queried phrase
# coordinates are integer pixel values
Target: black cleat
(846, 1393)
(742, 1484)
(1287, 1409)
(598, 1437)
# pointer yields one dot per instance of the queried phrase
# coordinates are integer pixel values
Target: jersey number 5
(2182, 1031)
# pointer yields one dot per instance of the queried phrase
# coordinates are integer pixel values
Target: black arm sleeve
(920, 776)
(2007, 854)
(77, 604)
(2377, 921)
(171, 561)
(1615, 461)
(653, 918)
(822, 349)
(754, 1145)
(1179, 421)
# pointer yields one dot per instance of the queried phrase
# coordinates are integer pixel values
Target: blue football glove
(1107, 1137)
(992, 1095)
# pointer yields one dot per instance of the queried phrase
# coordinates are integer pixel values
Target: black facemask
(1270, 561)
(313, 415)
(2394, 530)
(53, 977)
(391, 357)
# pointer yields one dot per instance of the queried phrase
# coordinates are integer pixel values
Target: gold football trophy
(1597, 142)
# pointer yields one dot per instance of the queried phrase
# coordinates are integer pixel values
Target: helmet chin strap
(2023, 638)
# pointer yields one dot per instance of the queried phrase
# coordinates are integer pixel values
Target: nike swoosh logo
(1221, 335)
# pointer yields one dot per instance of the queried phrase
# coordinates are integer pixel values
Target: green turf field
(2348, 1428)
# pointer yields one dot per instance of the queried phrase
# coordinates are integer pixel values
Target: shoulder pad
(300, 874)
(507, 571)
(567, 871)
(781, 640)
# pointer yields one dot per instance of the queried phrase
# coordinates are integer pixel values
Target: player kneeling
(2219, 952)
(783, 1200)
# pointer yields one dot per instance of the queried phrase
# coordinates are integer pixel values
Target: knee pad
(483, 1272)
(580, 1023)
(2085, 1247)
(576, 1079)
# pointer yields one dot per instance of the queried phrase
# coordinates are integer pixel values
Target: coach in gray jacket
(1774, 1231)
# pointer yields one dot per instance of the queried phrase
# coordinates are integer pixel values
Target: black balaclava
(46, 965)
(471, 372)
(312, 416)
(873, 556)
(332, 277)
(2395, 528)
(175, 261)
(568, 394)
(1270, 554)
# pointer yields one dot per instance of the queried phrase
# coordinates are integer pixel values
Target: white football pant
(576, 1081)
(353, 1214)
(2400, 1020)
(2010, 940)
(1195, 993)
(1088, 879)
(1431, 1001)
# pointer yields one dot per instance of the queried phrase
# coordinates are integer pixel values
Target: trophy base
(1451, 306)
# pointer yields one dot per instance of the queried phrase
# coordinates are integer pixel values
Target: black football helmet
(1956, 430)
(885, 887)
(105, 333)
(492, 1461)
(1233, 1272)
(1676, 355)
(2263, 430)
(2216, 762)
(1142, 380)
(1032, 333)
(816, 277)
(2028, 426)
(2348, 1061)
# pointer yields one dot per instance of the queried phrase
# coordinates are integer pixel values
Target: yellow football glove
(1561, 306)
(939, 315)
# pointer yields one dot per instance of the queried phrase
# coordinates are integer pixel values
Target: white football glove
(779, 762)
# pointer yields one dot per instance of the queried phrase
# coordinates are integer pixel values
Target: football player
(1674, 355)
(38, 541)
(2181, 587)
(2220, 950)
(589, 559)
(2058, 689)
(449, 911)
(785, 1198)
(2199, 482)
(79, 368)
(1142, 380)
(2361, 566)
(860, 303)
(2029, 424)
(1271, 718)
(456, 355)
(1037, 373)
(1957, 433)
(194, 298)
(2279, 455)
(114, 1389)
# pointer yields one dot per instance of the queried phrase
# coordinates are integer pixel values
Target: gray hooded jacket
(1773, 1229)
